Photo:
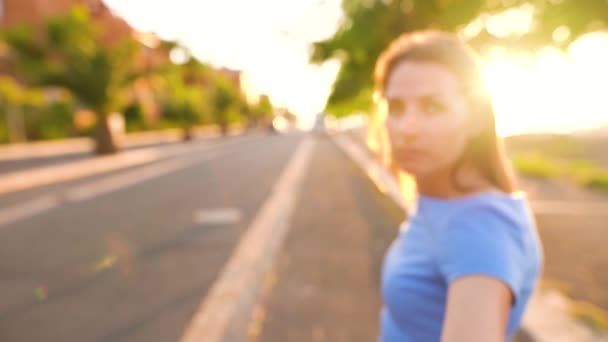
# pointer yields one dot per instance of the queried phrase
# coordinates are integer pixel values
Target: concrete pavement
(325, 285)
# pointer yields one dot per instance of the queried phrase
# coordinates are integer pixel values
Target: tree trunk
(188, 133)
(105, 142)
(16, 124)
(224, 128)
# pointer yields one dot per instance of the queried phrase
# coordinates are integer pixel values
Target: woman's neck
(445, 184)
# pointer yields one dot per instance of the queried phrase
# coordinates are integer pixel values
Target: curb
(547, 318)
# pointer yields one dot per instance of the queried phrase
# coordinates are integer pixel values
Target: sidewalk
(327, 274)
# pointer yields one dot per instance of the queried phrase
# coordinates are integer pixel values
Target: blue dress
(490, 234)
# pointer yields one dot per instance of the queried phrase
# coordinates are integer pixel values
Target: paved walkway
(326, 279)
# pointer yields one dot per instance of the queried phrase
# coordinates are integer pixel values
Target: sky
(548, 91)
(268, 39)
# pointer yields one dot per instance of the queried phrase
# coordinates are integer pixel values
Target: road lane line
(217, 216)
(84, 192)
(224, 313)
(27, 209)
(97, 188)
(124, 180)
(22, 180)
(134, 177)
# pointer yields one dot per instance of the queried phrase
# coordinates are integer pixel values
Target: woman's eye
(396, 108)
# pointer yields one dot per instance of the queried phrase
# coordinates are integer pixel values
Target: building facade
(35, 12)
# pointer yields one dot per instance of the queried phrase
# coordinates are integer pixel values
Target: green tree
(70, 55)
(262, 111)
(226, 103)
(15, 100)
(194, 93)
(264, 107)
(370, 25)
(187, 101)
(33, 113)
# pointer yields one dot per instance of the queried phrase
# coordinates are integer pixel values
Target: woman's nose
(408, 124)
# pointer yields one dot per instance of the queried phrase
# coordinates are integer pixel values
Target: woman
(465, 264)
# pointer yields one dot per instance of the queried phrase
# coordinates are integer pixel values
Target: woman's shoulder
(491, 205)
(486, 227)
(483, 215)
(487, 203)
(491, 235)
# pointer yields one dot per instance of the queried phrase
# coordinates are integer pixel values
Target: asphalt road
(131, 264)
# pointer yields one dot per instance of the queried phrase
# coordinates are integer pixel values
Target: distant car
(319, 126)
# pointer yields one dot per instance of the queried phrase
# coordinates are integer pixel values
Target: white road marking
(108, 184)
(218, 216)
(229, 303)
(126, 179)
(27, 209)
(99, 187)
(22, 180)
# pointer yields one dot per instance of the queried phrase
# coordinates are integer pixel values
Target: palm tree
(69, 55)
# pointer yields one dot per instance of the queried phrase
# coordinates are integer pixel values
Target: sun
(550, 90)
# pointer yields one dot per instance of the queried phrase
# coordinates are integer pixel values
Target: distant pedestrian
(464, 265)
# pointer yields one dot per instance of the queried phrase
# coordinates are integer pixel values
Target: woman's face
(428, 118)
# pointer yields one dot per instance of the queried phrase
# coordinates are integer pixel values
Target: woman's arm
(477, 310)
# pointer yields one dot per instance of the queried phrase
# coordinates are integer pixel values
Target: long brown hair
(485, 150)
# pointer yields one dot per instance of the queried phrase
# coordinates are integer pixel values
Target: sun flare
(550, 90)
